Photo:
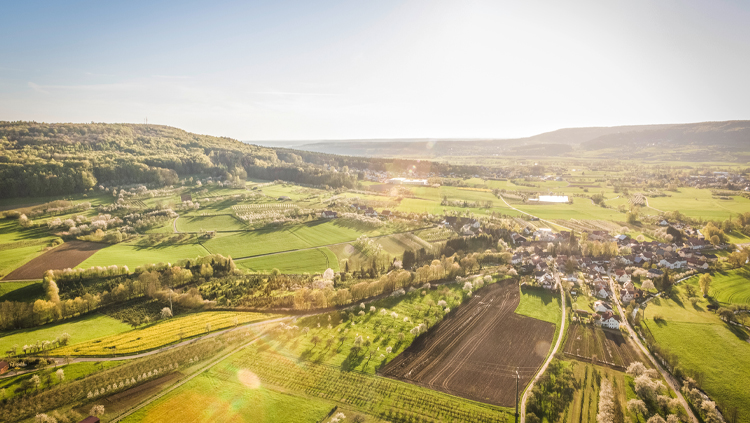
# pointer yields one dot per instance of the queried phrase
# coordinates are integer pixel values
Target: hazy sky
(277, 70)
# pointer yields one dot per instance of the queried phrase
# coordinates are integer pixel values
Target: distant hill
(691, 142)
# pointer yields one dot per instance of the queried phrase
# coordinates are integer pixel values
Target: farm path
(156, 351)
(653, 208)
(522, 408)
(670, 380)
(542, 220)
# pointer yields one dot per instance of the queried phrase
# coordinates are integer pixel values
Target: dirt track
(68, 255)
(475, 352)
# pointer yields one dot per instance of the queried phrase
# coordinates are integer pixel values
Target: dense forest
(38, 159)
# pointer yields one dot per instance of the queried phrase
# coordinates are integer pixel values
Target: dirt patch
(68, 255)
(475, 352)
(602, 346)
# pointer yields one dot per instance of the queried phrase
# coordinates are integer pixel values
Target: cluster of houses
(722, 180)
(654, 257)
(463, 225)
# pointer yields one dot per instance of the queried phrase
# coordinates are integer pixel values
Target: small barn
(186, 197)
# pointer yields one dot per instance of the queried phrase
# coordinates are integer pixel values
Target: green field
(71, 372)
(133, 254)
(264, 241)
(698, 203)
(222, 222)
(704, 344)
(316, 260)
(80, 330)
(21, 291)
(232, 397)
(540, 304)
(730, 287)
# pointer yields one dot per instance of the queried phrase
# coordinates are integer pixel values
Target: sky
(310, 70)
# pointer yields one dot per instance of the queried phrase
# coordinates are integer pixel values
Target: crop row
(387, 398)
(160, 334)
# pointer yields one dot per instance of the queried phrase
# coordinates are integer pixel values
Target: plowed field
(68, 255)
(475, 352)
(601, 346)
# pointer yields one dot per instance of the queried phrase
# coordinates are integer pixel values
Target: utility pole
(516, 395)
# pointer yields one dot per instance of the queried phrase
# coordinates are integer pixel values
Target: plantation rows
(391, 400)
(160, 334)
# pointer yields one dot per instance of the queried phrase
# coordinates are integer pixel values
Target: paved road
(543, 220)
(522, 408)
(61, 360)
(668, 377)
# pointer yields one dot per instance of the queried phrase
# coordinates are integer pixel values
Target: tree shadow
(738, 332)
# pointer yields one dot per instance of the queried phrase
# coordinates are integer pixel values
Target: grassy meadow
(135, 253)
(80, 329)
(240, 398)
(21, 291)
(728, 287)
(704, 344)
(540, 304)
(315, 260)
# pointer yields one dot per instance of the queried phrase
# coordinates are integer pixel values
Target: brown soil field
(601, 346)
(474, 353)
(68, 255)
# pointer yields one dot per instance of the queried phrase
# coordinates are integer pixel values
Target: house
(629, 286)
(602, 293)
(186, 197)
(655, 273)
(90, 419)
(4, 367)
(284, 198)
(466, 230)
(607, 320)
(663, 223)
(328, 214)
(386, 213)
(625, 296)
(602, 307)
(516, 259)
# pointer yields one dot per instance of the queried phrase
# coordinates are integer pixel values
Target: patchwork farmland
(475, 352)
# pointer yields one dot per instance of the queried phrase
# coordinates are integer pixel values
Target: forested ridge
(39, 159)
